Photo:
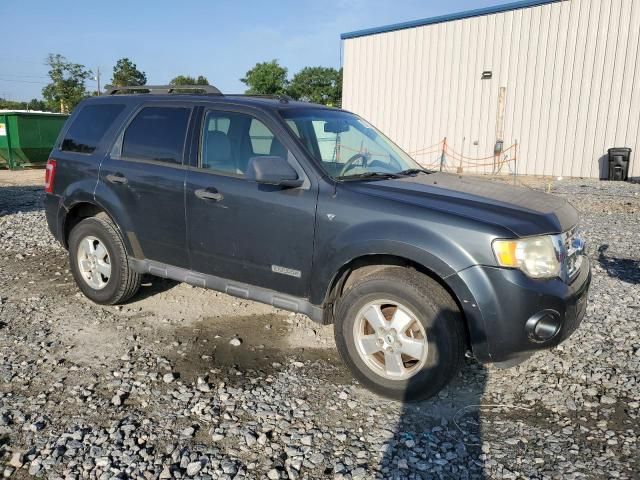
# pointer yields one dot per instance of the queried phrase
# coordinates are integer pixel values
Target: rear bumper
(52, 213)
(501, 305)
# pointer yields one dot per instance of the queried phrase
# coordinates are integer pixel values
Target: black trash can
(619, 163)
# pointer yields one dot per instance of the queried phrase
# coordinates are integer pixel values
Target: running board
(230, 287)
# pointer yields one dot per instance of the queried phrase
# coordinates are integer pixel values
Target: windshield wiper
(413, 171)
(369, 175)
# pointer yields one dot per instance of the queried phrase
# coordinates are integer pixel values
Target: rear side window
(88, 128)
(157, 133)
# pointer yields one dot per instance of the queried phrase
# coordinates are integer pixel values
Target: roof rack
(163, 89)
(282, 97)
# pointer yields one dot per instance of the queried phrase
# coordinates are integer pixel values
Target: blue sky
(218, 39)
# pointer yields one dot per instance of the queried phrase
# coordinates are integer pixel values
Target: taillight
(49, 174)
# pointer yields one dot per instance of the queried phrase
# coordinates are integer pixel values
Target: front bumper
(498, 302)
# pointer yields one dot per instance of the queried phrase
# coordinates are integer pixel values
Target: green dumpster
(26, 138)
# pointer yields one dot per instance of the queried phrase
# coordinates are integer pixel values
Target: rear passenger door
(239, 230)
(143, 181)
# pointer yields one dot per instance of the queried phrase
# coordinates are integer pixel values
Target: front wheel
(400, 333)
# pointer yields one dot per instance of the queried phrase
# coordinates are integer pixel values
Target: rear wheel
(99, 261)
(400, 333)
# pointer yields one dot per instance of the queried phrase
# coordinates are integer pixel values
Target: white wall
(571, 71)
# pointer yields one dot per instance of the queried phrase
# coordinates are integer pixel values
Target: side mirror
(272, 171)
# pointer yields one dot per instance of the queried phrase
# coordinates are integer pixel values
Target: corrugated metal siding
(571, 71)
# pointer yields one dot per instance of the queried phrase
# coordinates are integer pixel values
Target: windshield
(346, 146)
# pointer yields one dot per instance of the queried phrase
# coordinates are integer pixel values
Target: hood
(522, 210)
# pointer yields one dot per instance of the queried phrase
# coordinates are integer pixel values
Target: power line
(22, 81)
(23, 75)
(21, 60)
(97, 78)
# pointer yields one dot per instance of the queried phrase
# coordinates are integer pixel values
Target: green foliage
(317, 85)
(311, 84)
(189, 80)
(126, 74)
(67, 87)
(266, 78)
(33, 104)
(36, 104)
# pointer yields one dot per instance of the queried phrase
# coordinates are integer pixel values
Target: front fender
(421, 246)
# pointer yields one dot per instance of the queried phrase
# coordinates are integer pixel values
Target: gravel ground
(155, 389)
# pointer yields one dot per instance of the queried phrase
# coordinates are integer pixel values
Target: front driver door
(239, 230)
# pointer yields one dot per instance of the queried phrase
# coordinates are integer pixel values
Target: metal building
(562, 78)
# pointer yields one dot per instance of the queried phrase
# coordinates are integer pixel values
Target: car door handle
(209, 194)
(117, 178)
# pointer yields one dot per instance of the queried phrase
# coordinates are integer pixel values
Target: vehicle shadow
(27, 198)
(440, 437)
(624, 269)
(152, 285)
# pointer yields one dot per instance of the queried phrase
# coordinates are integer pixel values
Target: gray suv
(311, 209)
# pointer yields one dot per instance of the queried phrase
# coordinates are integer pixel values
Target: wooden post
(515, 161)
(444, 147)
(460, 169)
(502, 93)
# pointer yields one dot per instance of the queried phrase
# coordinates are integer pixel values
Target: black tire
(123, 282)
(434, 309)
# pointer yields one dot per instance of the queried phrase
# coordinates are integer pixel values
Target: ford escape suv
(313, 210)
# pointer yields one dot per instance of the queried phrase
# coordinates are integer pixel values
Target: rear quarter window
(158, 134)
(89, 126)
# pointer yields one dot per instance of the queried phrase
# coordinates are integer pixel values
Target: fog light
(543, 326)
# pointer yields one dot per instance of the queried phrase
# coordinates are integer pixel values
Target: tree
(33, 104)
(36, 104)
(126, 74)
(266, 78)
(189, 80)
(317, 85)
(339, 88)
(11, 105)
(202, 80)
(67, 84)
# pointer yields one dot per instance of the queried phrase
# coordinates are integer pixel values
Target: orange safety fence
(420, 151)
(448, 158)
(498, 163)
(451, 159)
(375, 154)
(488, 164)
(457, 155)
(429, 152)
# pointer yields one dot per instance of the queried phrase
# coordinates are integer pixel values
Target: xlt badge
(286, 271)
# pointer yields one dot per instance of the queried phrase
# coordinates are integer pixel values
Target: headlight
(538, 257)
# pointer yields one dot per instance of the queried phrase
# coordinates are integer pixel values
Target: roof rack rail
(163, 89)
(280, 96)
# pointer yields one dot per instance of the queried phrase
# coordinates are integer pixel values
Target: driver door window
(230, 139)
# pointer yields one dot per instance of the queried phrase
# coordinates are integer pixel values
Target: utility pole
(97, 77)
